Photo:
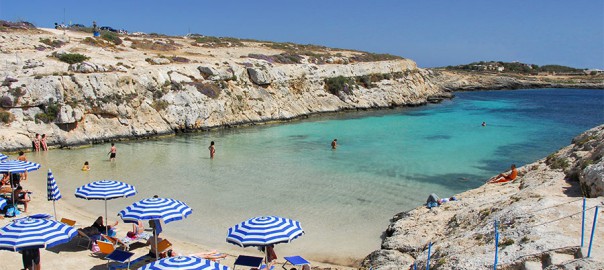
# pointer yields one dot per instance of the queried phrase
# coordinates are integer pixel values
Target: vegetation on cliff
(517, 67)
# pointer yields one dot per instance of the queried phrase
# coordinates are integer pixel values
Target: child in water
(86, 167)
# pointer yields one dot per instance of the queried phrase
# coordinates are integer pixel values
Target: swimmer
(86, 166)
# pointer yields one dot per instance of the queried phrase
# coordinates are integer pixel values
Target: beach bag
(12, 211)
(94, 247)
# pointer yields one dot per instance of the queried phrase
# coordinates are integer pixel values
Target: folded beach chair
(296, 261)
(83, 237)
(69, 222)
(250, 261)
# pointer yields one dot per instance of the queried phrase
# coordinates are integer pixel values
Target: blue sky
(433, 33)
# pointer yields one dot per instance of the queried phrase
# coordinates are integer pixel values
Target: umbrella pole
(155, 239)
(106, 221)
(12, 195)
(55, 209)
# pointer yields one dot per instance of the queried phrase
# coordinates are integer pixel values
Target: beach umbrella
(3, 157)
(17, 166)
(264, 231)
(53, 191)
(2, 203)
(34, 233)
(184, 262)
(105, 190)
(158, 209)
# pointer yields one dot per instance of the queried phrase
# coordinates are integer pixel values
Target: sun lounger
(295, 261)
(250, 261)
(142, 237)
(69, 222)
(116, 242)
(83, 237)
(145, 259)
(120, 256)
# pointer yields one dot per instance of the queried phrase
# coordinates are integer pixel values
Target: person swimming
(86, 166)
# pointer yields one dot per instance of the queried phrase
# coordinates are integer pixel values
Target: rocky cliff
(539, 216)
(156, 85)
(464, 80)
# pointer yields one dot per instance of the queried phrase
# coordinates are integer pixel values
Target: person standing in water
(112, 152)
(43, 143)
(334, 144)
(212, 149)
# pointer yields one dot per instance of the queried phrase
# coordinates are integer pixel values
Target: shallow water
(387, 162)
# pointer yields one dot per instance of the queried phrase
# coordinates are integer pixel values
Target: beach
(71, 256)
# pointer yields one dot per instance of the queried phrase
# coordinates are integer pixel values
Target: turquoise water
(387, 162)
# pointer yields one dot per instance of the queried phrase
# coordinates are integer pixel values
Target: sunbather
(212, 255)
(100, 225)
(501, 178)
(22, 196)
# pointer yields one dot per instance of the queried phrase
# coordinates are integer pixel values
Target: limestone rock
(593, 179)
(160, 61)
(387, 260)
(215, 74)
(259, 77)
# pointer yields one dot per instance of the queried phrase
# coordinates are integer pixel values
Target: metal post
(593, 230)
(414, 266)
(496, 246)
(583, 223)
(428, 261)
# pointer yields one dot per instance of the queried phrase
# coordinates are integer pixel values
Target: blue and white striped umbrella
(105, 190)
(52, 190)
(164, 209)
(18, 166)
(34, 233)
(2, 203)
(263, 231)
(3, 157)
(51, 185)
(184, 262)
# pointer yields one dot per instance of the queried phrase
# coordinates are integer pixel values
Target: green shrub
(506, 242)
(72, 58)
(111, 37)
(50, 112)
(55, 43)
(6, 117)
(339, 84)
(159, 105)
(556, 162)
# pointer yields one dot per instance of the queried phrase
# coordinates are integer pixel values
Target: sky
(432, 33)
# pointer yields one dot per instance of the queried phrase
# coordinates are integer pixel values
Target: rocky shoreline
(125, 92)
(539, 216)
(470, 81)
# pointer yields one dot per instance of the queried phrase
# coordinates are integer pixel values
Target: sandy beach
(71, 256)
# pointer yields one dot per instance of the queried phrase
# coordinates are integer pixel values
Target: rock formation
(136, 89)
(539, 217)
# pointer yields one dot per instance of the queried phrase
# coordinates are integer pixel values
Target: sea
(387, 161)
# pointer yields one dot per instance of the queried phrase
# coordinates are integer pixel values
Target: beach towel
(12, 211)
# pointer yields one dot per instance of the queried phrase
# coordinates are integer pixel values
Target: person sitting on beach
(22, 157)
(100, 225)
(22, 196)
(31, 258)
(501, 178)
(86, 166)
(5, 179)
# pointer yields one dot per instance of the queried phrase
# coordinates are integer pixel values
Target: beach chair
(144, 259)
(83, 237)
(163, 245)
(69, 222)
(105, 247)
(121, 257)
(116, 242)
(249, 261)
(296, 261)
